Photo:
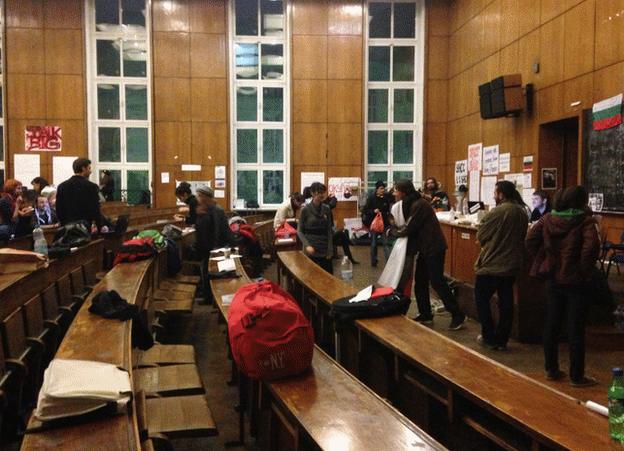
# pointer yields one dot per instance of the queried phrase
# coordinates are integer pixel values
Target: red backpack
(270, 337)
(135, 249)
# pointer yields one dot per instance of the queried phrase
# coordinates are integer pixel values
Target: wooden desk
(444, 386)
(92, 337)
(222, 287)
(337, 412)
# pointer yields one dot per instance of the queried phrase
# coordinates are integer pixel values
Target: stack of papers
(226, 265)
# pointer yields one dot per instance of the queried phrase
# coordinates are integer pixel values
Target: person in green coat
(501, 234)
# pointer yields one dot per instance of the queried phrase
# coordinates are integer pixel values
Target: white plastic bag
(391, 275)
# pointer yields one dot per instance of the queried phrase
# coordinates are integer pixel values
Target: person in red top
(565, 246)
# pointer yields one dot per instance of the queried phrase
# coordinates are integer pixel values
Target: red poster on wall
(42, 138)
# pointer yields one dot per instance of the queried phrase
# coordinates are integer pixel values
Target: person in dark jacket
(378, 202)
(434, 194)
(184, 194)
(10, 206)
(26, 221)
(340, 237)
(541, 206)
(501, 235)
(315, 228)
(565, 246)
(212, 230)
(426, 239)
(78, 199)
(38, 184)
(107, 186)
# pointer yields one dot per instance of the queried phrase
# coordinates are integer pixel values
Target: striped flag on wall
(607, 113)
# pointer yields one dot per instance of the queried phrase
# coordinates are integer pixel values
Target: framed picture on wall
(549, 178)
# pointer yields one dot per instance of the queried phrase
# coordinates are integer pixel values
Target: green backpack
(159, 240)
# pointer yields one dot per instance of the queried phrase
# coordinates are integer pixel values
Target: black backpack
(394, 304)
(73, 234)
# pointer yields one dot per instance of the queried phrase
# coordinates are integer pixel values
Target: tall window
(394, 90)
(118, 67)
(259, 89)
(2, 97)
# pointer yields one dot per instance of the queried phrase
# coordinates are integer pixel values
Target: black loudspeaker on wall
(504, 96)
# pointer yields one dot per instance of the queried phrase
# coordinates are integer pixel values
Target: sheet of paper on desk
(362, 295)
(226, 299)
(217, 259)
(285, 240)
(226, 265)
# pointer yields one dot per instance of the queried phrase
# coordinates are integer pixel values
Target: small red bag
(285, 229)
(270, 338)
(377, 225)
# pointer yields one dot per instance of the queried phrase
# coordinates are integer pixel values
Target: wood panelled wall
(579, 45)
(327, 90)
(190, 91)
(45, 81)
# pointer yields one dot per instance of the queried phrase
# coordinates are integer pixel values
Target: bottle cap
(618, 372)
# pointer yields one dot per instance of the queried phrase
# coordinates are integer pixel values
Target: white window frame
(260, 124)
(93, 80)
(418, 42)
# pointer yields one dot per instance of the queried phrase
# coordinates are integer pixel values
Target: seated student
(184, 194)
(439, 199)
(26, 220)
(288, 210)
(38, 184)
(316, 228)
(44, 214)
(341, 236)
(10, 203)
(541, 206)
(211, 229)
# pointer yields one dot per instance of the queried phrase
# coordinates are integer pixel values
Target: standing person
(184, 194)
(378, 202)
(38, 184)
(501, 234)
(340, 237)
(212, 228)
(541, 205)
(107, 186)
(288, 210)
(78, 199)
(565, 246)
(434, 194)
(425, 239)
(315, 228)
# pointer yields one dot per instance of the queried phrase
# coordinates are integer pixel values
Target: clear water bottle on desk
(616, 405)
(40, 245)
(346, 270)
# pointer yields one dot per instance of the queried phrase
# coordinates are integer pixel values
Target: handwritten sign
(474, 157)
(490, 160)
(461, 173)
(42, 138)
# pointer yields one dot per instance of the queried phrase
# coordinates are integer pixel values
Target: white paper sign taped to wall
(62, 169)
(26, 167)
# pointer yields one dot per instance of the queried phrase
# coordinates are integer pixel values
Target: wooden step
(192, 280)
(604, 338)
(174, 307)
(180, 417)
(172, 285)
(160, 354)
(172, 380)
(172, 295)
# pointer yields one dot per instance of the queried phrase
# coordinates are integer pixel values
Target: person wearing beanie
(212, 229)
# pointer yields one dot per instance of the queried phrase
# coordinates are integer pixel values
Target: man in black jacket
(211, 229)
(77, 199)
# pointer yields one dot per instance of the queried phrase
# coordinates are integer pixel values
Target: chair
(12, 375)
(78, 284)
(66, 297)
(36, 326)
(617, 253)
(53, 312)
(90, 274)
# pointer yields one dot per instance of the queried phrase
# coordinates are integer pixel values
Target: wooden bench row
(324, 408)
(463, 399)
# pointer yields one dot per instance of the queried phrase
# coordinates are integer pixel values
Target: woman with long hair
(315, 228)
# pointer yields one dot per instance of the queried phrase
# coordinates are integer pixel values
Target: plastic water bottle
(616, 405)
(346, 269)
(40, 244)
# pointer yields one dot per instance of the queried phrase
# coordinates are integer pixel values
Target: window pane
(116, 175)
(398, 175)
(246, 61)
(404, 20)
(273, 146)
(136, 145)
(373, 176)
(247, 17)
(246, 146)
(379, 20)
(247, 185)
(136, 102)
(138, 187)
(246, 104)
(108, 101)
(108, 58)
(377, 105)
(272, 12)
(378, 147)
(379, 63)
(403, 63)
(403, 147)
(272, 61)
(273, 104)
(106, 14)
(273, 187)
(135, 58)
(403, 105)
(133, 14)
(109, 144)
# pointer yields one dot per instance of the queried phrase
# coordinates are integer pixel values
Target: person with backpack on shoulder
(501, 235)
(315, 228)
(565, 246)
